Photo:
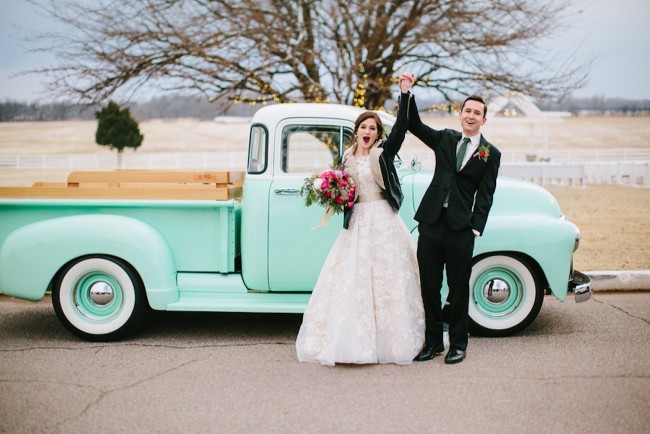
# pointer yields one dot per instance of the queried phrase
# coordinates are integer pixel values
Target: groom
(452, 213)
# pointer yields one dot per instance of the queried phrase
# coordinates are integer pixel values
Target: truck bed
(136, 184)
(197, 213)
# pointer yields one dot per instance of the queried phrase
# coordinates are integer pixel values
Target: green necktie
(461, 153)
(459, 159)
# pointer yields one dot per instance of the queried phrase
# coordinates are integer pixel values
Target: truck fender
(32, 255)
(549, 246)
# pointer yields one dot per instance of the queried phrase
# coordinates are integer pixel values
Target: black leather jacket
(393, 189)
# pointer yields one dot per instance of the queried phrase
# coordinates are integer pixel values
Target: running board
(254, 302)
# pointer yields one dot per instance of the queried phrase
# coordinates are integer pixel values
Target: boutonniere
(483, 153)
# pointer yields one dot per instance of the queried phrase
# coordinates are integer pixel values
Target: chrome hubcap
(496, 291)
(101, 293)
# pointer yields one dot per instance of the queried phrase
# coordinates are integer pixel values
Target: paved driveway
(578, 368)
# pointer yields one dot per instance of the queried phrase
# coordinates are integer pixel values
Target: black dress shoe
(429, 351)
(454, 356)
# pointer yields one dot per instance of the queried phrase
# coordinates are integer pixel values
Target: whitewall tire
(505, 295)
(99, 298)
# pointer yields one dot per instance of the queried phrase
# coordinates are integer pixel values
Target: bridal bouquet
(334, 189)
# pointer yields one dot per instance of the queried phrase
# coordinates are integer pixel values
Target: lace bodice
(366, 183)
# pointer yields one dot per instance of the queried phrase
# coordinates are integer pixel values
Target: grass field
(614, 220)
(177, 135)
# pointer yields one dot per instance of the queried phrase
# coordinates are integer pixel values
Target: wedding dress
(366, 306)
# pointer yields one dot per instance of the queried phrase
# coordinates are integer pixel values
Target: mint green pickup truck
(110, 247)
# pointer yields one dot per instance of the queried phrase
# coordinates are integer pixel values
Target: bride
(367, 306)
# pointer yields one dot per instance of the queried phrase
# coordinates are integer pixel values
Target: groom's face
(472, 117)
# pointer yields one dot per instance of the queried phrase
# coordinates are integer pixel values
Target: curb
(619, 280)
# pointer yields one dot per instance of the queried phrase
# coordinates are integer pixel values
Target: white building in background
(513, 104)
(517, 108)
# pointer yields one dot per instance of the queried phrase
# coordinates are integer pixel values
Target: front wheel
(505, 295)
(99, 298)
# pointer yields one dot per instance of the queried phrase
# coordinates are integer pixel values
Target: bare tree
(260, 51)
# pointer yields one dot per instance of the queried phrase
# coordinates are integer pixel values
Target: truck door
(297, 248)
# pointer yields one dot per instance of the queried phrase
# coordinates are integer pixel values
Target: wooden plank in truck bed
(136, 184)
(121, 193)
(154, 176)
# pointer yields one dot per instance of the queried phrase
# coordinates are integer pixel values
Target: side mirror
(397, 161)
(415, 163)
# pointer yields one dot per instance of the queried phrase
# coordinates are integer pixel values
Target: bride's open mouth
(366, 140)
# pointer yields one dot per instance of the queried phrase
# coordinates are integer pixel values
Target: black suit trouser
(440, 246)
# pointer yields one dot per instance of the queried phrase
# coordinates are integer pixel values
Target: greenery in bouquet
(334, 189)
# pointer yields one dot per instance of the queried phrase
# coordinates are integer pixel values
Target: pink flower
(350, 204)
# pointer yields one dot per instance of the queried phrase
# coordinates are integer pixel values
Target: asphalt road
(578, 368)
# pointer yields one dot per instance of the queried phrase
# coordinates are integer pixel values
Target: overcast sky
(615, 33)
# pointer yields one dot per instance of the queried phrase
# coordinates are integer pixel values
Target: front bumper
(580, 285)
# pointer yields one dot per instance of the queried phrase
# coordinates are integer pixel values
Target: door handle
(286, 191)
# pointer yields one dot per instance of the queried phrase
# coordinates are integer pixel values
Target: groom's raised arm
(423, 132)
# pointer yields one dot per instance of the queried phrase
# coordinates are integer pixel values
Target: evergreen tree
(117, 129)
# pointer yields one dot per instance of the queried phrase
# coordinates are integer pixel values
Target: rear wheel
(505, 295)
(99, 298)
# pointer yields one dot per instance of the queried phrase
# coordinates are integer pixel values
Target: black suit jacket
(471, 189)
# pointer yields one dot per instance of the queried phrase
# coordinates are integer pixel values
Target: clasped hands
(406, 81)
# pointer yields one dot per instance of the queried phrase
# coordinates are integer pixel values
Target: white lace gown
(366, 306)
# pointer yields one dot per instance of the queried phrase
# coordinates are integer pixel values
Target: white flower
(317, 184)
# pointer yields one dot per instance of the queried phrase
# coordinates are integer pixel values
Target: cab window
(257, 149)
(311, 148)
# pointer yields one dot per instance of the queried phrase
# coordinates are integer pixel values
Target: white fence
(621, 172)
(636, 173)
(545, 173)
(159, 160)
(577, 155)
(630, 172)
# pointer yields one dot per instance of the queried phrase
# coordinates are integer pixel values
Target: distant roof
(517, 100)
(522, 104)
